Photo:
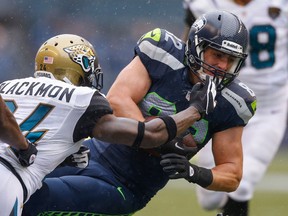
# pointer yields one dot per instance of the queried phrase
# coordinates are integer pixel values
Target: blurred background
(113, 27)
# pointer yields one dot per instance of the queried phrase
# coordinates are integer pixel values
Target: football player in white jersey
(58, 108)
(265, 71)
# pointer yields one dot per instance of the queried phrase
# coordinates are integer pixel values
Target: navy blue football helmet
(222, 31)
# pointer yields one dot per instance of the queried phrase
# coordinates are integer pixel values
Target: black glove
(177, 166)
(202, 96)
(26, 157)
(176, 146)
(79, 159)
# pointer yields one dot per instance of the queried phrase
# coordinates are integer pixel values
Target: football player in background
(59, 108)
(265, 71)
(157, 82)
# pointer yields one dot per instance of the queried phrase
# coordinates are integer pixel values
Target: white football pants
(11, 198)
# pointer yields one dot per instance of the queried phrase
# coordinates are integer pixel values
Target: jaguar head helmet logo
(82, 55)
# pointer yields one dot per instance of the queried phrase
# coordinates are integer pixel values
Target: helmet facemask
(222, 78)
(93, 79)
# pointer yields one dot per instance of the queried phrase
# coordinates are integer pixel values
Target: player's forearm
(155, 132)
(10, 132)
(225, 180)
(185, 119)
(177, 124)
(126, 131)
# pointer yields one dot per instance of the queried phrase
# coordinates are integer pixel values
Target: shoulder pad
(242, 98)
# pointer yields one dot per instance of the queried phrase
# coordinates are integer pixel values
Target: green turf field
(271, 196)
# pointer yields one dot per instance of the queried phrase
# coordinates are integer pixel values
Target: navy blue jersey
(121, 180)
(163, 55)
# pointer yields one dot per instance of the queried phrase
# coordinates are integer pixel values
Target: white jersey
(48, 112)
(265, 69)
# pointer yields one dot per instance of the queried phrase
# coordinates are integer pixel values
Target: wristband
(202, 176)
(170, 126)
(140, 135)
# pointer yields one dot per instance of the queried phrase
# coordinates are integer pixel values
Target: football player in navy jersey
(61, 106)
(158, 82)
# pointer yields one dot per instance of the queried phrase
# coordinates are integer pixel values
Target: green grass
(179, 198)
(183, 202)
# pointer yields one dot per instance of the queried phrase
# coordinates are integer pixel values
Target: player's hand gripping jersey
(55, 116)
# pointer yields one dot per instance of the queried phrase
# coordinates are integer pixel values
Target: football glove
(26, 157)
(79, 159)
(178, 166)
(176, 146)
(202, 96)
